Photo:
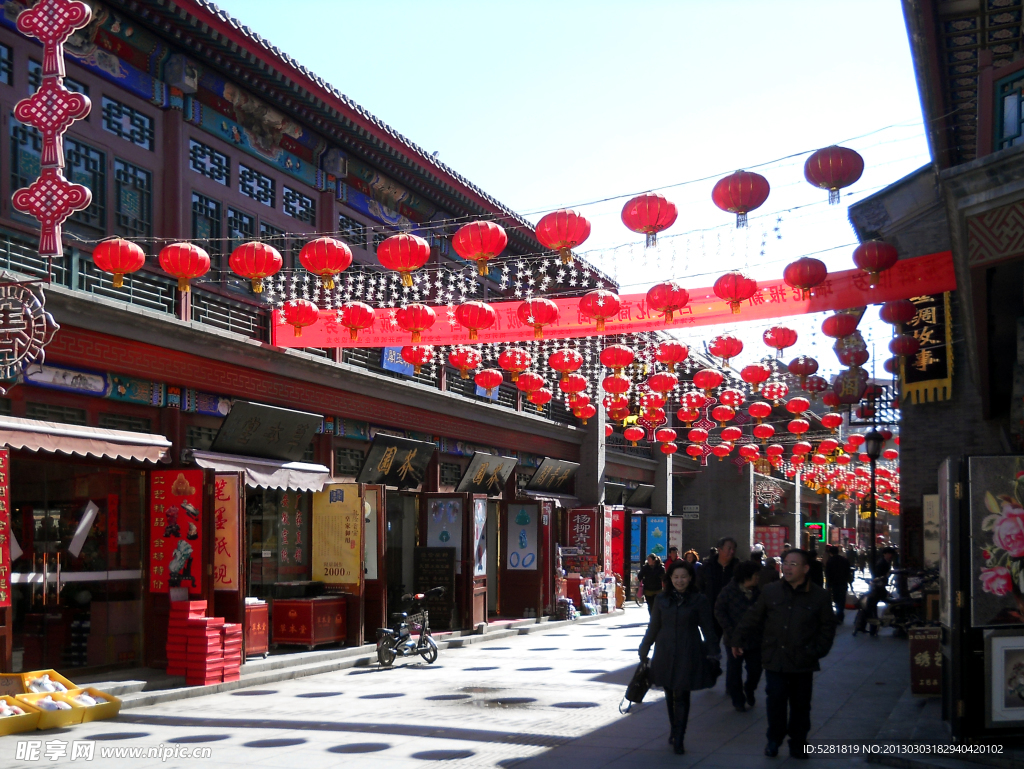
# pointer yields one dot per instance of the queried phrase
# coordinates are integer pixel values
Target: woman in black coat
(681, 657)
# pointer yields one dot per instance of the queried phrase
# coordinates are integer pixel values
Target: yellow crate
(34, 674)
(50, 719)
(108, 709)
(16, 724)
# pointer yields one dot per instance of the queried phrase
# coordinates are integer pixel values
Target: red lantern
(119, 257)
(827, 446)
(904, 345)
(831, 420)
(764, 432)
(732, 398)
(735, 288)
(576, 400)
(802, 447)
(688, 416)
(805, 274)
(819, 459)
(775, 450)
(797, 405)
(573, 383)
(775, 391)
(667, 298)
(515, 362)
(669, 448)
(829, 398)
(325, 258)
(540, 398)
(255, 261)
(185, 262)
(780, 338)
(415, 318)
(892, 366)
(600, 305)
(693, 399)
(731, 434)
(874, 257)
(562, 231)
(798, 426)
(697, 435)
(650, 401)
(615, 384)
(740, 193)
(708, 379)
(619, 415)
(650, 214)
(803, 367)
(749, 451)
(633, 434)
(722, 450)
(465, 359)
(843, 460)
(839, 325)
(537, 312)
(725, 347)
(612, 402)
(475, 316)
(855, 439)
(695, 451)
(722, 414)
(671, 353)
(565, 361)
(529, 381)
(405, 253)
(417, 356)
(662, 382)
(665, 435)
(489, 379)
(586, 412)
(299, 313)
(898, 311)
(355, 316)
(852, 356)
(759, 410)
(890, 454)
(832, 169)
(755, 374)
(616, 357)
(480, 242)
(608, 430)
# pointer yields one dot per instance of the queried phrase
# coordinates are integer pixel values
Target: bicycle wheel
(385, 654)
(428, 650)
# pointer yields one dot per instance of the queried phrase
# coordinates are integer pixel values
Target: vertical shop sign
(635, 534)
(606, 536)
(583, 530)
(337, 544)
(176, 520)
(657, 535)
(5, 528)
(293, 543)
(675, 533)
(444, 526)
(618, 538)
(927, 376)
(226, 512)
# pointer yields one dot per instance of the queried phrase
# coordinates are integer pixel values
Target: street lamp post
(873, 448)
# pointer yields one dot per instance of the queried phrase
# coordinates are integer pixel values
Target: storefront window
(278, 525)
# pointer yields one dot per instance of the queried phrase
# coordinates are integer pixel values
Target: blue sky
(552, 104)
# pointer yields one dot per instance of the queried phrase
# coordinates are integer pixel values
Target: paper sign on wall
(176, 524)
(521, 546)
(226, 512)
(337, 544)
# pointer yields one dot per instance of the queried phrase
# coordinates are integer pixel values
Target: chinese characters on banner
(581, 556)
(293, 536)
(5, 527)
(337, 530)
(606, 532)
(226, 513)
(928, 375)
(175, 532)
(926, 660)
(553, 476)
(773, 538)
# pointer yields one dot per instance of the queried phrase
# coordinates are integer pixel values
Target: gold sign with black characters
(553, 475)
(928, 376)
(487, 474)
(394, 461)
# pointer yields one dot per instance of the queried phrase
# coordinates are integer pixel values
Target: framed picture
(1004, 678)
(997, 541)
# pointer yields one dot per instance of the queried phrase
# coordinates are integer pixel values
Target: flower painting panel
(997, 541)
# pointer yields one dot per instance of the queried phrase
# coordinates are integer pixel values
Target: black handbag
(638, 687)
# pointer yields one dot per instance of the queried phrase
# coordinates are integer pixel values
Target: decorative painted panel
(996, 235)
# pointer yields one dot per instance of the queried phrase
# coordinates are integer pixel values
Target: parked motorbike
(398, 640)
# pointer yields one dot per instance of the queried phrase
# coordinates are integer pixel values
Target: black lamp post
(873, 448)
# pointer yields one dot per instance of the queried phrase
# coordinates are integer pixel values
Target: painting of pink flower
(1008, 531)
(996, 580)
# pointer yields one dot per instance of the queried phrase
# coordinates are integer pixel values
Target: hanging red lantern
(655, 416)
(417, 356)
(325, 258)
(775, 450)
(832, 169)
(904, 345)
(669, 448)
(831, 420)
(855, 439)
(615, 384)
(779, 337)
(562, 231)
(600, 305)
(565, 361)
(573, 383)
(465, 359)
(890, 454)
(839, 325)
(798, 426)
(759, 410)
(819, 460)
(827, 446)
(797, 405)
(722, 450)
(687, 416)
(697, 435)
(475, 316)
(662, 382)
(755, 374)
(802, 368)
(650, 214)
(255, 261)
(805, 274)
(608, 430)
(708, 379)
(633, 434)
(725, 347)
(693, 399)
(898, 311)
(616, 357)
(667, 298)
(404, 253)
(874, 257)
(749, 451)
(480, 242)
(672, 353)
(828, 398)
(118, 257)
(775, 391)
(355, 316)
(665, 435)
(731, 433)
(733, 398)
(722, 414)
(735, 288)
(577, 399)
(489, 379)
(650, 401)
(583, 413)
(886, 434)
(537, 312)
(740, 193)
(843, 460)
(852, 355)
(540, 398)
(299, 313)
(515, 361)
(763, 431)
(892, 366)
(185, 262)
(528, 381)
(802, 447)
(612, 402)
(695, 451)
(415, 318)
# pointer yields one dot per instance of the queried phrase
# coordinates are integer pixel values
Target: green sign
(816, 530)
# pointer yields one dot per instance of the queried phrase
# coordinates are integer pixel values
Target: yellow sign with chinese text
(338, 535)
(226, 512)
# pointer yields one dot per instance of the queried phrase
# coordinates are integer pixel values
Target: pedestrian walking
(692, 557)
(862, 560)
(683, 634)
(673, 554)
(838, 578)
(794, 621)
(769, 570)
(650, 578)
(715, 573)
(733, 602)
(817, 572)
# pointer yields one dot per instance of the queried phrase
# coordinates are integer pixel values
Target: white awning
(267, 473)
(561, 500)
(82, 440)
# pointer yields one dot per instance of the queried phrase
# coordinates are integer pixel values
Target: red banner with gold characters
(176, 530)
(5, 527)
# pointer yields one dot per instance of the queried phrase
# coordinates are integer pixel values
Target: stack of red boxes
(205, 651)
(232, 651)
(177, 640)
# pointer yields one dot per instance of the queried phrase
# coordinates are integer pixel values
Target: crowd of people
(774, 616)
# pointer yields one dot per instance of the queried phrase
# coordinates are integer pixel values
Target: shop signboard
(640, 496)
(521, 545)
(815, 531)
(675, 533)
(391, 360)
(606, 534)
(435, 567)
(293, 535)
(581, 556)
(553, 476)
(257, 430)
(226, 514)
(337, 544)
(618, 537)
(657, 535)
(5, 528)
(635, 537)
(444, 526)
(487, 474)
(926, 660)
(398, 462)
(176, 524)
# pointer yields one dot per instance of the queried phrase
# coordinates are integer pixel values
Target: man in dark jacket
(839, 576)
(796, 625)
(650, 576)
(734, 600)
(715, 573)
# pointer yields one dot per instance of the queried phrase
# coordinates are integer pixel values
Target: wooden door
(375, 593)
(546, 554)
(444, 519)
(475, 550)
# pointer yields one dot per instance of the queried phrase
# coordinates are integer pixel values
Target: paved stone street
(542, 700)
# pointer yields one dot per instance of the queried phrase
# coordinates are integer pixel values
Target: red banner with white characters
(5, 527)
(931, 274)
(176, 528)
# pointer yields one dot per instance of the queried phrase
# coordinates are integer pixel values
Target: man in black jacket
(733, 602)
(715, 573)
(839, 577)
(794, 620)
